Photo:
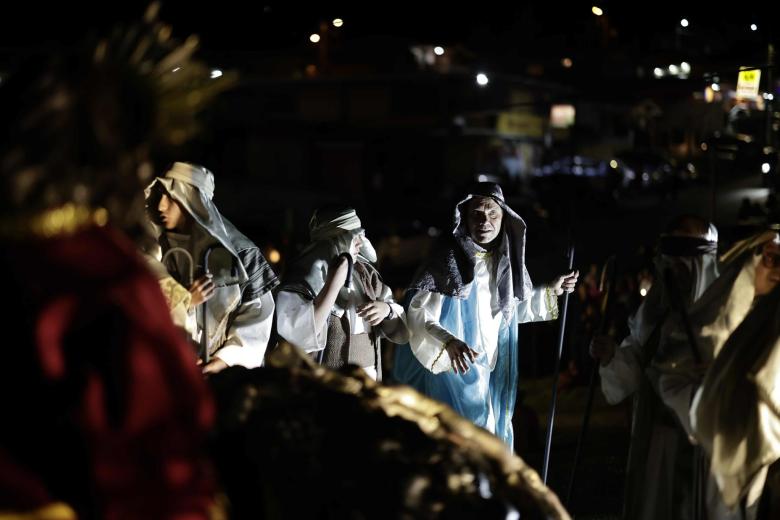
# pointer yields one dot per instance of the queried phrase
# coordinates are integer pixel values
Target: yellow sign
(747, 84)
(520, 124)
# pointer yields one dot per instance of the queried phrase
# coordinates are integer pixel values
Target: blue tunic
(474, 394)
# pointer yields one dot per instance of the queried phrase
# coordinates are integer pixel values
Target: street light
(215, 73)
(567, 63)
(439, 51)
(684, 22)
(482, 79)
(716, 87)
(596, 10)
(658, 72)
(314, 38)
(753, 27)
(765, 167)
(338, 22)
(673, 70)
(685, 67)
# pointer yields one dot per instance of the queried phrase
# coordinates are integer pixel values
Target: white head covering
(331, 234)
(192, 186)
(340, 228)
(196, 176)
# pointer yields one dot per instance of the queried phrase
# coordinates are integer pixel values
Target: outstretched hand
(461, 355)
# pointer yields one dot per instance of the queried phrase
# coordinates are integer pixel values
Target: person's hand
(213, 366)
(337, 271)
(461, 356)
(374, 312)
(201, 290)
(565, 283)
(602, 348)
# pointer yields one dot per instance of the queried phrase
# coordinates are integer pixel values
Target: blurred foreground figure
(733, 471)
(296, 440)
(105, 412)
(735, 413)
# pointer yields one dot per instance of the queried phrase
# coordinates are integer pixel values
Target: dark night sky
(233, 25)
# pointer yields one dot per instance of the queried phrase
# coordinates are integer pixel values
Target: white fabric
(248, 335)
(489, 318)
(349, 221)
(428, 337)
(621, 377)
(295, 321)
(677, 386)
(193, 175)
(741, 452)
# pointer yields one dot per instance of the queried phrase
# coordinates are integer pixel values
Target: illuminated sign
(747, 84)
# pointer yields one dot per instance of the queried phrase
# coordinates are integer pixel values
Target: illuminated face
(768, 269)
(484, 217)
(171, 214)
(357, 243)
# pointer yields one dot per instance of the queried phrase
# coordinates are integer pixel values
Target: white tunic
(428, 337)
(295, 322)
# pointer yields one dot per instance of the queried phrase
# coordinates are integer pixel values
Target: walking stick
(607, 289)
(561, 331)
(187, 255)
(204, 342)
